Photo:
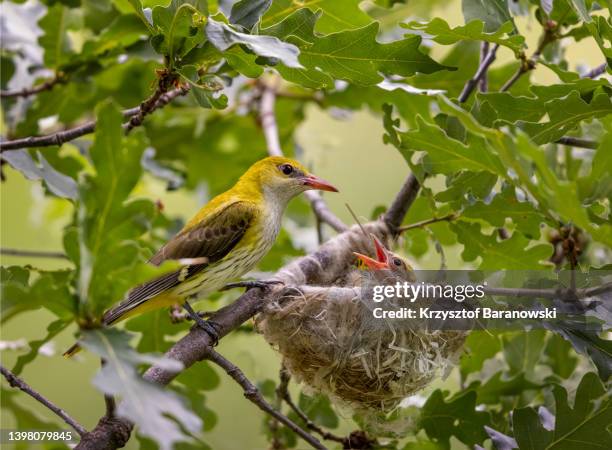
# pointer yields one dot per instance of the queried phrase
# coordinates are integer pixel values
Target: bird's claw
(250, 284)
(211, 328)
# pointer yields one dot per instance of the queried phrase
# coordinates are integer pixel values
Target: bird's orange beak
(381, 261)
(318, 183)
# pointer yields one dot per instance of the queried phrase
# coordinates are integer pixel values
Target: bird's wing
(211, 239)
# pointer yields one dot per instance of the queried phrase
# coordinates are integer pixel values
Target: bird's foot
(210, 327)
(250, 284)
(177, 315)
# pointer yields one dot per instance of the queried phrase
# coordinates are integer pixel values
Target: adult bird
(222, 242)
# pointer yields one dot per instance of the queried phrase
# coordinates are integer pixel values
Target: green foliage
(146, 404)
(586, 422)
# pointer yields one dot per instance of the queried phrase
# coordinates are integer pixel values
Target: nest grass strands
(329, 341)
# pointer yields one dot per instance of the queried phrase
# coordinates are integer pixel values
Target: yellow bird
(222, 242)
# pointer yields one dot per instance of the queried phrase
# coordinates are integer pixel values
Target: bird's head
(387, 261)
(284, 178)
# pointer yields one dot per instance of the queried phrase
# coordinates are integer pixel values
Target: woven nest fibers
(330, 341)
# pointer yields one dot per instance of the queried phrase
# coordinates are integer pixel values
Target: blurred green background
(348, 152)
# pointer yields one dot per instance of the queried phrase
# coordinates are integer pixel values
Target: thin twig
(253, 394)
(26, 92)
(31, 253)
(479, 75)
(88, 127)
(423, 223)
(597, 71)
(577, 142)
(527, 64)
(18, 383)
(483, 85)
(283, 392)
(267, 118)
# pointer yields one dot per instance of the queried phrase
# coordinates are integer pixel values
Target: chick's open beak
(381, 261)
(371, 263)
(318, 183)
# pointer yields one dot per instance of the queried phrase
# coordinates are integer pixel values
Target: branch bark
(253, 394)
(61, 137)
(283, 393)
(479, 76)
(18, 383)
(27, 92)
(32, 253)
(597, 71)
(577, 142)
(400, 206)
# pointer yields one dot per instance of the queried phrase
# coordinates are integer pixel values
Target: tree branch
(400, 206)
(88, 127)
(267, 118)
(577, 142)
(253, 394)
(26, 92)
(283, 392)
(18, 383)
(597, 71)
(483, 85)
(31, 253)
(480, 74)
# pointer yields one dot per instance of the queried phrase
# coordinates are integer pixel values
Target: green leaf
(357, 56)
(565, 114)
(457, 416)
(466, 183)
(222, 36)
(448, 155)
(179, 25)
(512, 109)
(137, 5)
(506, 206)
(200, 377)
(510, 253)
(110, 258)
(523, 350)
(23, 292)
(144, 403)
(479, 346)
(248, 12)
(53, 330)
(586, 423)
(473, 31)
(205, 89)
(589, 343)
(336, 14)
(559, 356)
(494, 13)
(318, 408)
(58, 183)
(494, 388)
(54, 39)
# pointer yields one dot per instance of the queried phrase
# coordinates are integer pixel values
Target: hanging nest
(330, 340)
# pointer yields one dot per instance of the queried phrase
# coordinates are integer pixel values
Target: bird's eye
(287, 169)
(397, 262)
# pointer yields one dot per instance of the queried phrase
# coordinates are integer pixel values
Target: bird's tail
(76, 348)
